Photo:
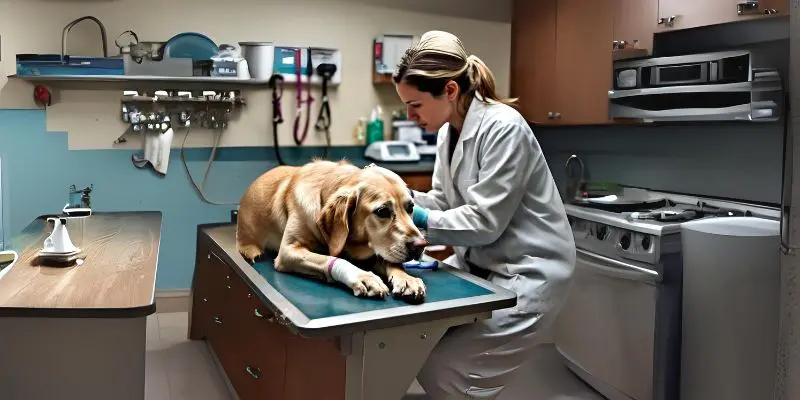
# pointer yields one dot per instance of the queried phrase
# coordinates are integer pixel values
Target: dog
(324, 216)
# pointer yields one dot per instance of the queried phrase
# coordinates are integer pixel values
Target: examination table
(290, 337)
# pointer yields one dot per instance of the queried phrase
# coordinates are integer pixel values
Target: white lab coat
(498, 205)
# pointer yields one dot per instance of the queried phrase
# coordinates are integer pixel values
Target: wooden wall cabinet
(561, 59)
(683, 14)
(561, 50)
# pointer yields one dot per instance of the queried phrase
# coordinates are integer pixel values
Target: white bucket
(259, 56)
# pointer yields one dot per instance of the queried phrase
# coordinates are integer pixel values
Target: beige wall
(91, 117)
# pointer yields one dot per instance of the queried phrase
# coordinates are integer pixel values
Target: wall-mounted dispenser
(288, 60)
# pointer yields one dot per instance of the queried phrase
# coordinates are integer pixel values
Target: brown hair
(439, 58)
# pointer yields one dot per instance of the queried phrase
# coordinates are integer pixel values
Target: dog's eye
(383, 212)
(410, 207)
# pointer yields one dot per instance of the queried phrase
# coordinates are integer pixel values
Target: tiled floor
(180, 369)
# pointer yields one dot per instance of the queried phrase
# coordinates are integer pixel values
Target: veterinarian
(494, 199)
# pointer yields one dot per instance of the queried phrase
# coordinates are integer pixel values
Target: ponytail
(482, 82)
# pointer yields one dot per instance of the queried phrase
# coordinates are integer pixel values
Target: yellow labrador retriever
(323, 216)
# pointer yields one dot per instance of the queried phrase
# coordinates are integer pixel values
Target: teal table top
(315, 308)
(317, 299)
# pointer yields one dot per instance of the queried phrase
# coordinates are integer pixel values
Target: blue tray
(50, 64)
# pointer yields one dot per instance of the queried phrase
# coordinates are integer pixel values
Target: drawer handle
(254, 372)
(218, 320)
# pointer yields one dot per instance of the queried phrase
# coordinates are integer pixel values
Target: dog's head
(377, 212)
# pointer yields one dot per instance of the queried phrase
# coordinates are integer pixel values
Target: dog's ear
(334, 219)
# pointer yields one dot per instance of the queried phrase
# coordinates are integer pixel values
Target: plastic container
(375, 132)
(260, 57)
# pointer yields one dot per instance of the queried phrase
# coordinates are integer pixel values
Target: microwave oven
(696, 87)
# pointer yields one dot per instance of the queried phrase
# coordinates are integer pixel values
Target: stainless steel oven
(619, 329)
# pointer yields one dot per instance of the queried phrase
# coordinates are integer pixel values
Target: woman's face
(430, 112)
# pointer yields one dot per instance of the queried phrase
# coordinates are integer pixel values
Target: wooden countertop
(116, 280)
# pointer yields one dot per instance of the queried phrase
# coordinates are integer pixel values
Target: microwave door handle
(786, 186)
(619, 269)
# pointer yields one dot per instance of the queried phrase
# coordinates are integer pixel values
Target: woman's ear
(451, 89)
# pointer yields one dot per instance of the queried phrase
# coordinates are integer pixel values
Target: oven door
(606, 328)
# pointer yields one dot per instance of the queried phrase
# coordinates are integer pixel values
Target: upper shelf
(106, 82)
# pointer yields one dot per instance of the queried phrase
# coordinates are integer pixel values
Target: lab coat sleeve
(433, 199)
(503, 178)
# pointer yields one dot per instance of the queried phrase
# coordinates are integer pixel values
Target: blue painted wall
(38, 169)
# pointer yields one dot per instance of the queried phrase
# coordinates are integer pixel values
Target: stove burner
(686, 213)
(622, 208)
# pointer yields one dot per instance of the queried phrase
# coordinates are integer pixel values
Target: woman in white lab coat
(493, 199)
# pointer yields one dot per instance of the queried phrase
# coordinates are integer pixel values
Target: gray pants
(476, 361)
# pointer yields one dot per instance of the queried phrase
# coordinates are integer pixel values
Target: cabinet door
(584, 36)
(781, 6)
(533, 50)
(636, 20)
(693, 13)
(315, 369)
(420, 182)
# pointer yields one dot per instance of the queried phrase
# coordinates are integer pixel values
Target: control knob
(646, 242)
(625, 241)
(602, 231)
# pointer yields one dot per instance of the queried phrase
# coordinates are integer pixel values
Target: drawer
(208, 293)
(258, 367)
(251, 345)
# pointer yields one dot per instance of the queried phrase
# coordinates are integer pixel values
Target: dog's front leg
(294, 257)
(404, 286)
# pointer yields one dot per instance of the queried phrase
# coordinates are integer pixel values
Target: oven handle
(620, 269)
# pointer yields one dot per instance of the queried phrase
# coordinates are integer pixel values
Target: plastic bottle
(375, 126)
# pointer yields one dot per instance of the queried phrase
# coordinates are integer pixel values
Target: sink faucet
(574, 184)
(75, 22)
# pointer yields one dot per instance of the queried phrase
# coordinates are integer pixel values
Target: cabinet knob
(255, 372)
(218, 320)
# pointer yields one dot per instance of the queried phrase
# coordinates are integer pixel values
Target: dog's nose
(415, 248)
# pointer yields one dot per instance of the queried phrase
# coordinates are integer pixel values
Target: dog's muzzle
(413, 251)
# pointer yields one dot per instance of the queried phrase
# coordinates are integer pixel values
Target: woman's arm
(504, 176)
(433, 199)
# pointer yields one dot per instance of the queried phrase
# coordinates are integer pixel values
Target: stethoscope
(323, 123)
(298, 138)
(276, 85)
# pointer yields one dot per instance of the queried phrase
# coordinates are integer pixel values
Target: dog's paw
(369, 285)
(407, 287)
(250, 253)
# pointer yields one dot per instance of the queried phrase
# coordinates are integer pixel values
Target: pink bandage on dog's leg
(331, 261)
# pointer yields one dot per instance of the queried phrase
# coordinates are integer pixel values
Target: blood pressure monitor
(392, 151)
